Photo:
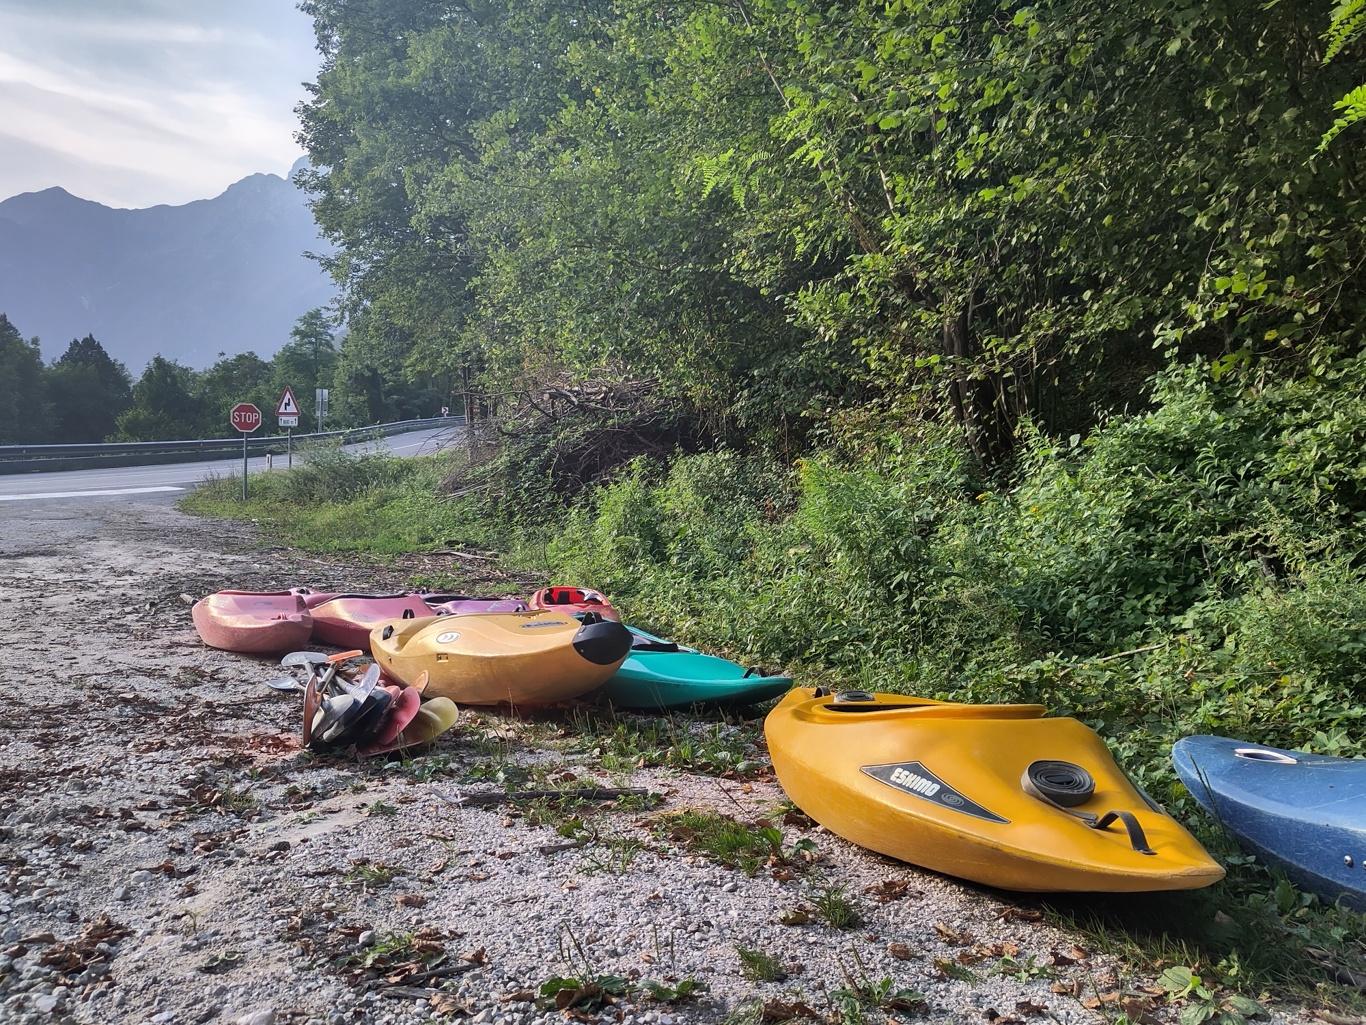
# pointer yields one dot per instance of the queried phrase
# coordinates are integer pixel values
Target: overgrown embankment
(1194, 569)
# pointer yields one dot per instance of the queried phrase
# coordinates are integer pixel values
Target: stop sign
(245, 417)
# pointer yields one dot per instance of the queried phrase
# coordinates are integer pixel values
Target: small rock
(266, 1017)
(47, 1004)
(121, 893)
(366, 938)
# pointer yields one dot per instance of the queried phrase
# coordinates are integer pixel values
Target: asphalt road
(168, 480)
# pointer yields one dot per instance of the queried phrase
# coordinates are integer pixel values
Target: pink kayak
(347, 619)
(253, 622)
(574, 599)
(464, 605)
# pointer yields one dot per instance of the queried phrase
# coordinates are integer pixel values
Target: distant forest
(88, 396)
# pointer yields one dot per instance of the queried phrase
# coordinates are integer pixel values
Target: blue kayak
(660, 674)
(1303, 813)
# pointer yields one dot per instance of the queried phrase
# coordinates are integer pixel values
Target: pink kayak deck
(346, 620)
(461, 606)
(253, 622)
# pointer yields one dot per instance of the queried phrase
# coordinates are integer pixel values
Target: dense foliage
(980, 209)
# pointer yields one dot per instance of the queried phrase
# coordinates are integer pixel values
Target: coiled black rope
(1058, 782)
(1064, 786)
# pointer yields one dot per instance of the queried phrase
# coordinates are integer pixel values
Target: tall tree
(165, 406)
(308, 361)
(244, 377)
(24, 413)
(89, 391)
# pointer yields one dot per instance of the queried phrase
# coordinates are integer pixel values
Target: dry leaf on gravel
(1013, 914)
(797, 916)
(1030, 1009)
(776, 1011)
(900, 951)
(891, 889)
(953, 937)
(1073, 955)
(74, 956)
(997, 1018)
(410, 900)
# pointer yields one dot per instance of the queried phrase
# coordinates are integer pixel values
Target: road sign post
(245, 418)
(320, 396)
(287, 412)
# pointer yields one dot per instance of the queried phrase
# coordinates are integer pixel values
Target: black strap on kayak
(1137, 838)
(1064, 786)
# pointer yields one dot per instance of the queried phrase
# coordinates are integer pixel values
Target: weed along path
(171, 856)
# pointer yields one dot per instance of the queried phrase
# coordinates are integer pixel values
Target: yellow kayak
(524, 659)
(999, 794)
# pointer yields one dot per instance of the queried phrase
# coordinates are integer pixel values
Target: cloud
(179, 100)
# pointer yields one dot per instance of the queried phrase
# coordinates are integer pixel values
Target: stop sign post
(245, 418)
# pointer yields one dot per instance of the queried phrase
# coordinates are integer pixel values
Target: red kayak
(570, 600)
(347, 619)
(253, 622)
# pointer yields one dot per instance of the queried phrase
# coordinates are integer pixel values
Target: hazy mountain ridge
(226, 274)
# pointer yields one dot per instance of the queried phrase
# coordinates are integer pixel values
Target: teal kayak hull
(657, 680)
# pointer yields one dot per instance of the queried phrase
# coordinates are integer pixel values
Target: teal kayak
(660, 674)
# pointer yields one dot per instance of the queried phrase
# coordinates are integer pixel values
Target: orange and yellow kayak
(998, 794)
(524, 659)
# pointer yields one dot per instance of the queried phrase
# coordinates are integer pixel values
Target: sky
(137, 102)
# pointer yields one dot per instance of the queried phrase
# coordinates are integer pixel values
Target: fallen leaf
(477, 957)
(1014, 914)
(1030, 1009)
(410, 900)
(900, 951)
(891, 889)
(775, 1011)
(797, 916)
(1139, 1009)
(950, 935)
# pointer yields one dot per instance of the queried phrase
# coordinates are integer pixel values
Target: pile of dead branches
(555, 438)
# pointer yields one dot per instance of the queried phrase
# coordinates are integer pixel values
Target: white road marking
(85, 494)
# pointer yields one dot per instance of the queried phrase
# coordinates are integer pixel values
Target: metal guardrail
(32, 458)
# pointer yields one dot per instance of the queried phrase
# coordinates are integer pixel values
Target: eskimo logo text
(922, 783)
(911, 781)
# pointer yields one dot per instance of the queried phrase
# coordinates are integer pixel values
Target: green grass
(723, 839)
(374, 505)
(834, 907)
(624, 743)
(759, 966)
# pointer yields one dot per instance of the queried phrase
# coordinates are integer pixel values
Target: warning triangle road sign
(287, 406)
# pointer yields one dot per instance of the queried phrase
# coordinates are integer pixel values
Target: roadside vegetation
(988, 351)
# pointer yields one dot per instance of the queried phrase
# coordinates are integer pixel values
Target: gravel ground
(169, 855)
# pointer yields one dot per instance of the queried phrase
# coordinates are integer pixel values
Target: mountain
(226, 274)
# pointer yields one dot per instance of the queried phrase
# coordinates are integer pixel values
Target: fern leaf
(1353, 107)
(1348, 21)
